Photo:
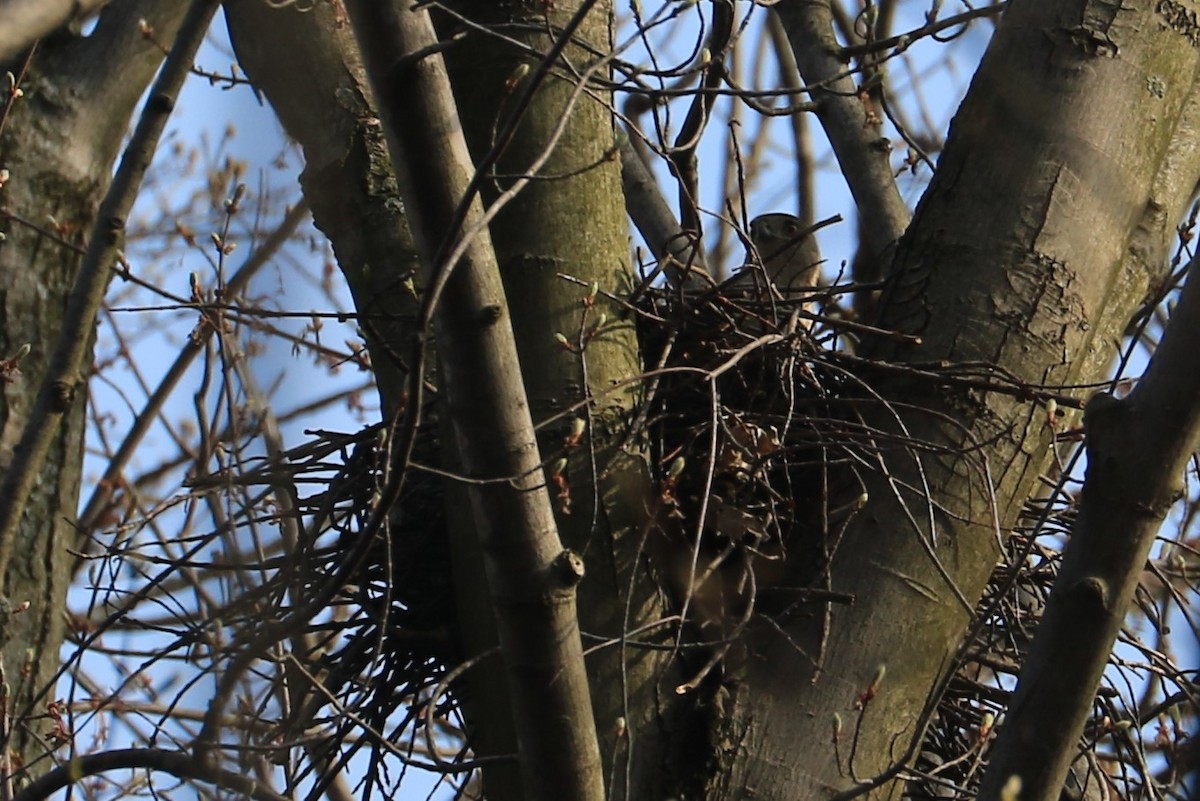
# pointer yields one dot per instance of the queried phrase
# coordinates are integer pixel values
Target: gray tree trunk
(1047, 219)
(563, 233)
(59, 142)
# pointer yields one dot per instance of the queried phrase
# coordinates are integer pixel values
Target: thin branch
(194, 347)
(58, 389)
(1138, 450)
(930, 28)
(178, 764)
(859, 145)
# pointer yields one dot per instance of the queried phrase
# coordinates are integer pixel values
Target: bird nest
(745, 419)
(751, 415)
(740, 414)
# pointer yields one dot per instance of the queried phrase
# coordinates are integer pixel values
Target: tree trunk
(1032, 246)
(59, 142)
(564, 233)
(1045, 224)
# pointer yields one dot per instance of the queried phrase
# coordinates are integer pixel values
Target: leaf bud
(516, 77)
(877, 679)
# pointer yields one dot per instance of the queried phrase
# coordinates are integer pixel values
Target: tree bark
(309, 68)
(564, 233)
(23, 22)
(1018, 256)
(59, 141)
(531, 579)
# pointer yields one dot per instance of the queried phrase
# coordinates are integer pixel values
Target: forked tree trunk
(554, 242)
(1047, 219)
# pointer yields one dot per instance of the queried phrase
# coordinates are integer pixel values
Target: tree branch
(861, 150)
(58, 388)
(531, 578)
(677, 252)
(321, 96)
(180, 765)
(1138, 450)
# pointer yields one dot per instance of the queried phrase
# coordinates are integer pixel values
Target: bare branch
(852, 127)
(676, 250)
(178, 764)
(57, 392)
(1138, 450)
(532, 579)
(194, 346)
